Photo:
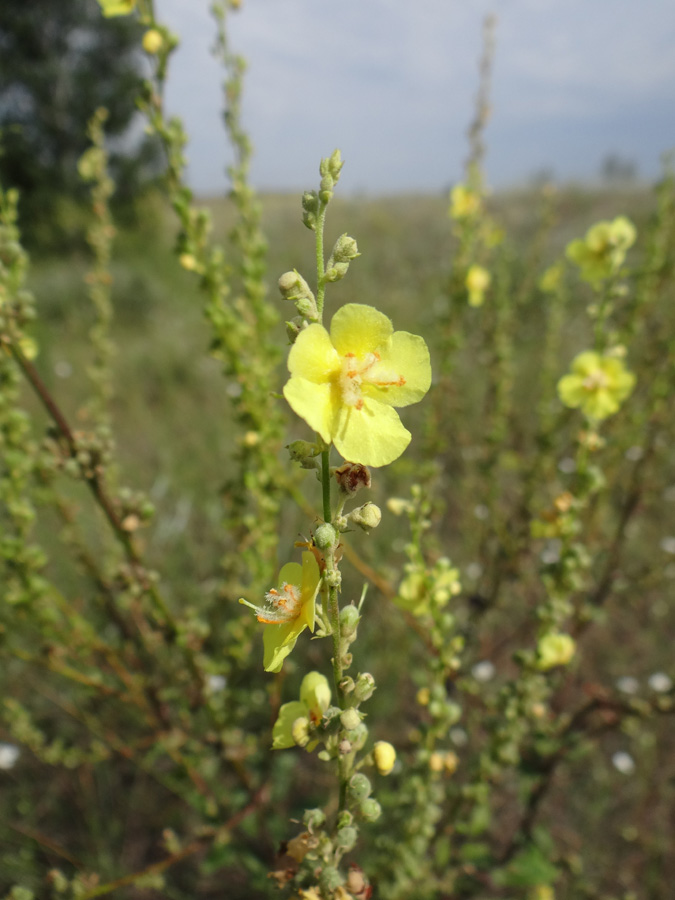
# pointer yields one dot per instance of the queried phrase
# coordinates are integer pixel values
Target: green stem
(320, 270)
(325, 485)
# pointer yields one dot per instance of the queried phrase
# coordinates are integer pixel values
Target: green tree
(59, 62)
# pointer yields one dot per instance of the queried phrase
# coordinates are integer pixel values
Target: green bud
(325, 536)
(346, 838)
(304, 453)
(333, 165)
(313, 819)
(366, 517)
(294, 327)
(347, 683)
(365, 687)
(344, 819)
(330, 879)
(349, 620)
(359, 787)
(293, 286)
(310, 208)
(345, 249)
(370, 810)
(358, 737)
(350, 719)
(336, 272)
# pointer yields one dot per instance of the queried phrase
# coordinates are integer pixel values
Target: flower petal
(278, 641)
(311, 579)
(372, 435)
(359, 329)
(407, 355)
(571, 390)
(315, 403)
(313, 356)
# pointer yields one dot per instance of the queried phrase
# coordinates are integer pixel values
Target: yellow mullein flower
(117, 7)
(598, 384)
(463, 202)
(554, 649)
(288, 609)
(477, 282)
(344, 384)
(603, 249)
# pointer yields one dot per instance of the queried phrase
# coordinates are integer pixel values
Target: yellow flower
(117, 7)
(477, 282)
(554, 649)
(344, 384)
(603, 249)
(598, 384)
(288, 609)
(152, 41)
(463, 202)
(384, 755)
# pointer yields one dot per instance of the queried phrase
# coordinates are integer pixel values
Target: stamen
(279, 607)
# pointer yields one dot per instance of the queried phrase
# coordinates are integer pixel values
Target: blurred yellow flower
(554, 649)
(344, 384)
(152, 41)
(117, 7)
(602, 251)
(288, 609)
(384, 755)
(463, 202)
(477, 282)
(598, 384)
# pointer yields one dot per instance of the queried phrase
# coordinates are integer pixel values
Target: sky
(392, 83)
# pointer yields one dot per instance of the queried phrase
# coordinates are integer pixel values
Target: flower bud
(349, 620)
(304, 452)
(351, 477)
(344, 819)
(384, 755)
(366, 517)
(310, 207)
(359, 787)
(336, 272)
(293, 286)
(294, 327)
(345, 249)
(330, 879)
(315, 694)
(313, 819)
(325, 536)
(152, 41)
(346, 837)
(370, 810)
(364, 687)
(350, 719)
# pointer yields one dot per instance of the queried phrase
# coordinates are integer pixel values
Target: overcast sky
(392, 83)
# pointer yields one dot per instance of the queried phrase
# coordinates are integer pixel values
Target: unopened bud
(152, 41)
(349, 620)
(384, 755)
(359, 787)
(325, 536)
(366, 517)
(350, 719)
(313, 819)
(294, 327)
(303, 452)
(336, 272)
(315, 694)
(370, 810)
(364, 687)
(345, 249)
(293, 286)
(346, 837)
(310, 206)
